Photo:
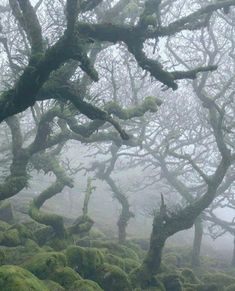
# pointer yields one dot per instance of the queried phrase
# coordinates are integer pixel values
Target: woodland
(117, 145)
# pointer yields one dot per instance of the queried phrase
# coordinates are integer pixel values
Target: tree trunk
(122, 224)
(198, 233)
(233, 258)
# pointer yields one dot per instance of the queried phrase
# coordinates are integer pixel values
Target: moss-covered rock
(115, 260)
(4, 225)
(117, 249)
(171, 282)
(10, 238)
(19, 254)
(44, 264)
(130, 265)
(65, 276)
(221, 280)
(14, 278)
(85, 260)
(189, 276)
(230, 288)
(85, 285)
(111, 277)
(53, 286)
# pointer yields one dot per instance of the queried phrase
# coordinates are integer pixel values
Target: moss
(24, 232)
(85, 285)
(4, 225)
(117, 249)
(171, 282)
(2, 256)
(43, 234)
(114, 260)
(85, 260)
(53, 286)
(95, 233)
(171, 260)
(139, 279)
(230, 288)
(189, 276)
(58, 244)
(64, 276)
(130, 264)
(111, 277)
(10, 237)
(219, 279)
(136, 248)
(14, 278)
(19, 254)
(44, 264)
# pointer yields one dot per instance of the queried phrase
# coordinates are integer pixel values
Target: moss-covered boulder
(4, 225)
(230, 288)
(189, 277)
(221, 280)
(117, 249)
(85, 285)
(85, 260)
(171, 282)
(65, 276)
(111, 277)
(44, 264)
(53, 286)
(14, 278)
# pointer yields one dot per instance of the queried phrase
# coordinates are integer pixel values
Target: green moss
(139, 278)
(130, 264)
(189, 276)
(171, 282)
(219, 279)
(110, 277)
(13, 278)
(2, 256)
(44, 264)
(10, 237)
(85, 285)
(43, 234)
(114, 260)
(85, 260)
(20, 254)
(230, 288)
(4, 225)
(53, 286)
(65, 276)
(117, 249)
(58, 244)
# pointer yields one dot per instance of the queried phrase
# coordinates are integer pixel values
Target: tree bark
(198, 233)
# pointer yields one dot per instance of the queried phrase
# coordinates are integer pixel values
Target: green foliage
(64, 276)
(85, 285)
(44, 264)
(111, 277)
(85, 260)
(13, 278)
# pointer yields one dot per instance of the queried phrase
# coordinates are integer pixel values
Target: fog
(117, 152)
